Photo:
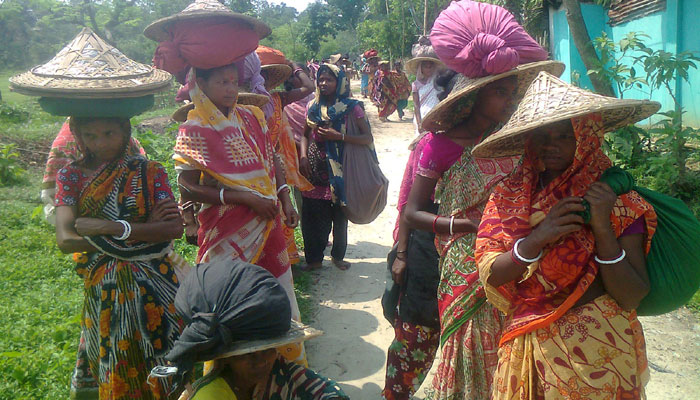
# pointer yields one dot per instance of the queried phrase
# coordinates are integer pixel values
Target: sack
(673, 262)
(392, 291)
(365, 184)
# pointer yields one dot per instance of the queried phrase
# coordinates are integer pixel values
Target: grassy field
(40, 294)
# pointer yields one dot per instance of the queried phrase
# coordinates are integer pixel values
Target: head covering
(274, 65)
(333, 59)
(250, 99)
(484, 43)
(231, 308)
(95, 75)
(210, 11)
(478, 39)
(422, 51)
(455, 108)
(549, 100)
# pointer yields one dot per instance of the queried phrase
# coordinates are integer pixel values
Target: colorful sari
(283, 141)
(65, 150)
(129, 320)
(236, 150)
(550, 349)
(469, 327)
(385, 94)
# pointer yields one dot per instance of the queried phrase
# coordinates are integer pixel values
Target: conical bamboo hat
(275, 74)
(89, 67)
(412, 64)
(452, 109)
(210, 10)
(549, 100)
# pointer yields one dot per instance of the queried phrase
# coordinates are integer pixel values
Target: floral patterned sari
(470, 327)
(129, 319)
(550, 349)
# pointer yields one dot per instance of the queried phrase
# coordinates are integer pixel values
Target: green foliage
(661, 157)
(13, 114)
(10, 171)
(611, 66)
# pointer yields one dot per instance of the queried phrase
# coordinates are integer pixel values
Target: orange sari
(549, 349)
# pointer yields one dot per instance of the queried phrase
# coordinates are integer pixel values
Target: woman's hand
(305, 167)
(560, 221)
(602, 200)
(265, 208)
(164, 210)
(208, 180)
(329, 134)
(94, 227)
(291, 215)
(398, 270)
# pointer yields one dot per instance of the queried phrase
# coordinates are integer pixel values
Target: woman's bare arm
(420, 196)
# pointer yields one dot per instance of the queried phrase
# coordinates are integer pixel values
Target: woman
(568, 286)
(225, 161)
(461, 184)
(425, 90)
(385, 94)
(364, 81)
(321, 160)
(64, 150)
(238, 314)
(403, 88)
(118, 214)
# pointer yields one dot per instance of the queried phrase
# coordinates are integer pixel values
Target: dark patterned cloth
(409, 359)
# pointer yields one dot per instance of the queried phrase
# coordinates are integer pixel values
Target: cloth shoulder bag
(365, 184)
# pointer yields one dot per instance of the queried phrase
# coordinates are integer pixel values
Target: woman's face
(398, 67)
(554, 145)
(427, 68)
(105, 139)
(221, 87)
(327, 84)
(253, 367)
(495, 100)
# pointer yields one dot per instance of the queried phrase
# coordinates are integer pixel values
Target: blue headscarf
(336, 113)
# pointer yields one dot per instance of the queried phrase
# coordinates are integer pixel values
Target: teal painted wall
(673, 30)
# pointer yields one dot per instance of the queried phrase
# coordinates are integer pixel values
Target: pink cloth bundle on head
(204, 45)
(480, 39)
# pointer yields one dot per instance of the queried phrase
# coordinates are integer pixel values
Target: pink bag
(480, 39)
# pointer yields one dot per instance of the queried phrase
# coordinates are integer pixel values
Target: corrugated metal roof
(622, 11)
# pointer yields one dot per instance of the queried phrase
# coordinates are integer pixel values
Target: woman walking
(568, 287)
(403, 88)
(115, 211)
(322, 163)
(385, 92)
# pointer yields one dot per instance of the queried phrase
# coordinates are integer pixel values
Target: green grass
(7, 95)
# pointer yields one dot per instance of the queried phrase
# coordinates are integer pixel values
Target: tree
(585, 48)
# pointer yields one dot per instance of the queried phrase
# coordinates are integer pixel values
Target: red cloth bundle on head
(202, 44)
(370, 53)
(268, 55)
(480, 39)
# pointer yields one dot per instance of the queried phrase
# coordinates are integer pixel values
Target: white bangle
(619, 258)
(127, 230)
(517, 255)
(221, 196)
(281, 188)
(452, 223)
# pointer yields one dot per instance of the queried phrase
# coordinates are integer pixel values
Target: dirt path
(353, 349)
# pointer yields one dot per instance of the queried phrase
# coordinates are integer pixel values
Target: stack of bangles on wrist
(127, 230)
(282, 188)
(519, 259)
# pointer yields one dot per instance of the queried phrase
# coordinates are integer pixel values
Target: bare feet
(311, 266)
(341, 264)
(384, 119)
